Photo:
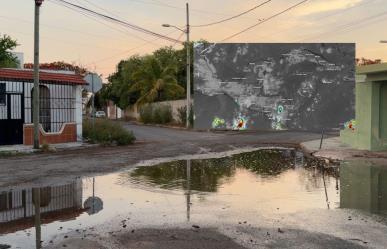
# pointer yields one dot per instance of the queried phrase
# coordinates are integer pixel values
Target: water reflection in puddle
(230, 189)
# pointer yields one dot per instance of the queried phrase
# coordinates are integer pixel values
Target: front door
(11, 119)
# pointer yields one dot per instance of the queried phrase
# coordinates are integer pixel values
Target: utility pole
(92, 102)
(188, 70)
(35, 110)
(188, 48)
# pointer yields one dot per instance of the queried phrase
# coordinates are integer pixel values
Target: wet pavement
(260, 199)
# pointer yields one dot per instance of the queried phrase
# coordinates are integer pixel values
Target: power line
(178, 38)
(265, 20)
(87, 15)
(129, 50)
(347, 26)
(121, 22)
(319, 18)
(233, 17)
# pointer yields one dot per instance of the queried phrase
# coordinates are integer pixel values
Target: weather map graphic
(298, 86)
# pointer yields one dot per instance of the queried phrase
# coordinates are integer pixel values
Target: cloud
(319, 6)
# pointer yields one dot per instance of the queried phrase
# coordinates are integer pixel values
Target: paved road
(161, 134)
(152, 143)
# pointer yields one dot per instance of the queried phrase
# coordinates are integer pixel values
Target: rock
(195, 226)
(2, 246)
(133, 231)
(124, 225)
(280, 231)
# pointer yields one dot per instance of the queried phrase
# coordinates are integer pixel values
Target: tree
(7, 59)
(155, 82)
(118, 89)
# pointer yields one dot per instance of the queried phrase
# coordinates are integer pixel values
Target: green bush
(107, 132)
(146, 114)
(156, 114)
(182, 114)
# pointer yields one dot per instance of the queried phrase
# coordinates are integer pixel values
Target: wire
(121, 22)
(233, 17)
(85, 14)
(129, 50)
(178, 38)
(265, 20)
(319, 18)
(347, 26)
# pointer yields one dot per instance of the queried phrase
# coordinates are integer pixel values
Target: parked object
(60, 106)
(100, 114)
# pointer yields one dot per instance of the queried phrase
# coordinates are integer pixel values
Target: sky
(70, 36)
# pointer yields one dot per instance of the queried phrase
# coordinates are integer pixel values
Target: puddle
(242, 188)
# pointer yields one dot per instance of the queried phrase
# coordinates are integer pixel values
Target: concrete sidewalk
(334, 150)
(25, 149)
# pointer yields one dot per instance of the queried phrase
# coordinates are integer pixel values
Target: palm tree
(155, 82)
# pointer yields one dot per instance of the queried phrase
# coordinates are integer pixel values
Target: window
(2, 94)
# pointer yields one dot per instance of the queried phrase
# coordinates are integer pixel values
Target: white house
(60, 105)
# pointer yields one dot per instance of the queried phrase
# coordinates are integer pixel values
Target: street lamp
(38, 2)
(35, 111)
(186, 31)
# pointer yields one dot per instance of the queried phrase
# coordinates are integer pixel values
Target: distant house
(60, 105)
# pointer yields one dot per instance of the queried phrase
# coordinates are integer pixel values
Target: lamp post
(35, 111)
(187, 32)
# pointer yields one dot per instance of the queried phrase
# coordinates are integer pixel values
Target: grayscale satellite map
(273, 86)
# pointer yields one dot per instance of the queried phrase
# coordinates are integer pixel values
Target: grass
(107, 132)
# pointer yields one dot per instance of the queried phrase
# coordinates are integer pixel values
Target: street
(152, 142)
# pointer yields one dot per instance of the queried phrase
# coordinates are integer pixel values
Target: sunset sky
(70, 36)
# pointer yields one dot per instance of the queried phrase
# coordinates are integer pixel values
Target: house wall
(67, 134)
(62, 104)
(65, 103)
(371, 116)
(113, 112)
(133, 111)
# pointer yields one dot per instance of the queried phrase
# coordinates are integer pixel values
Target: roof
(372, 73)
(23, 75)
(372, 69)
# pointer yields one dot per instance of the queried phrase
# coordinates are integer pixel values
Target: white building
(60, 105)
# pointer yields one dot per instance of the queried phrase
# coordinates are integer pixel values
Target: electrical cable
(233, 17)
(121, 22)
(265, 20)
(346, 26)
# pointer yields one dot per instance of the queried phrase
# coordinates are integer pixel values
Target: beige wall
(132, 112)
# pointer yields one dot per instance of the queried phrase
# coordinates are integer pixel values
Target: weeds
(107, 132)
(156, 114)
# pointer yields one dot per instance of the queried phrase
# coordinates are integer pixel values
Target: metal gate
(11, 119)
